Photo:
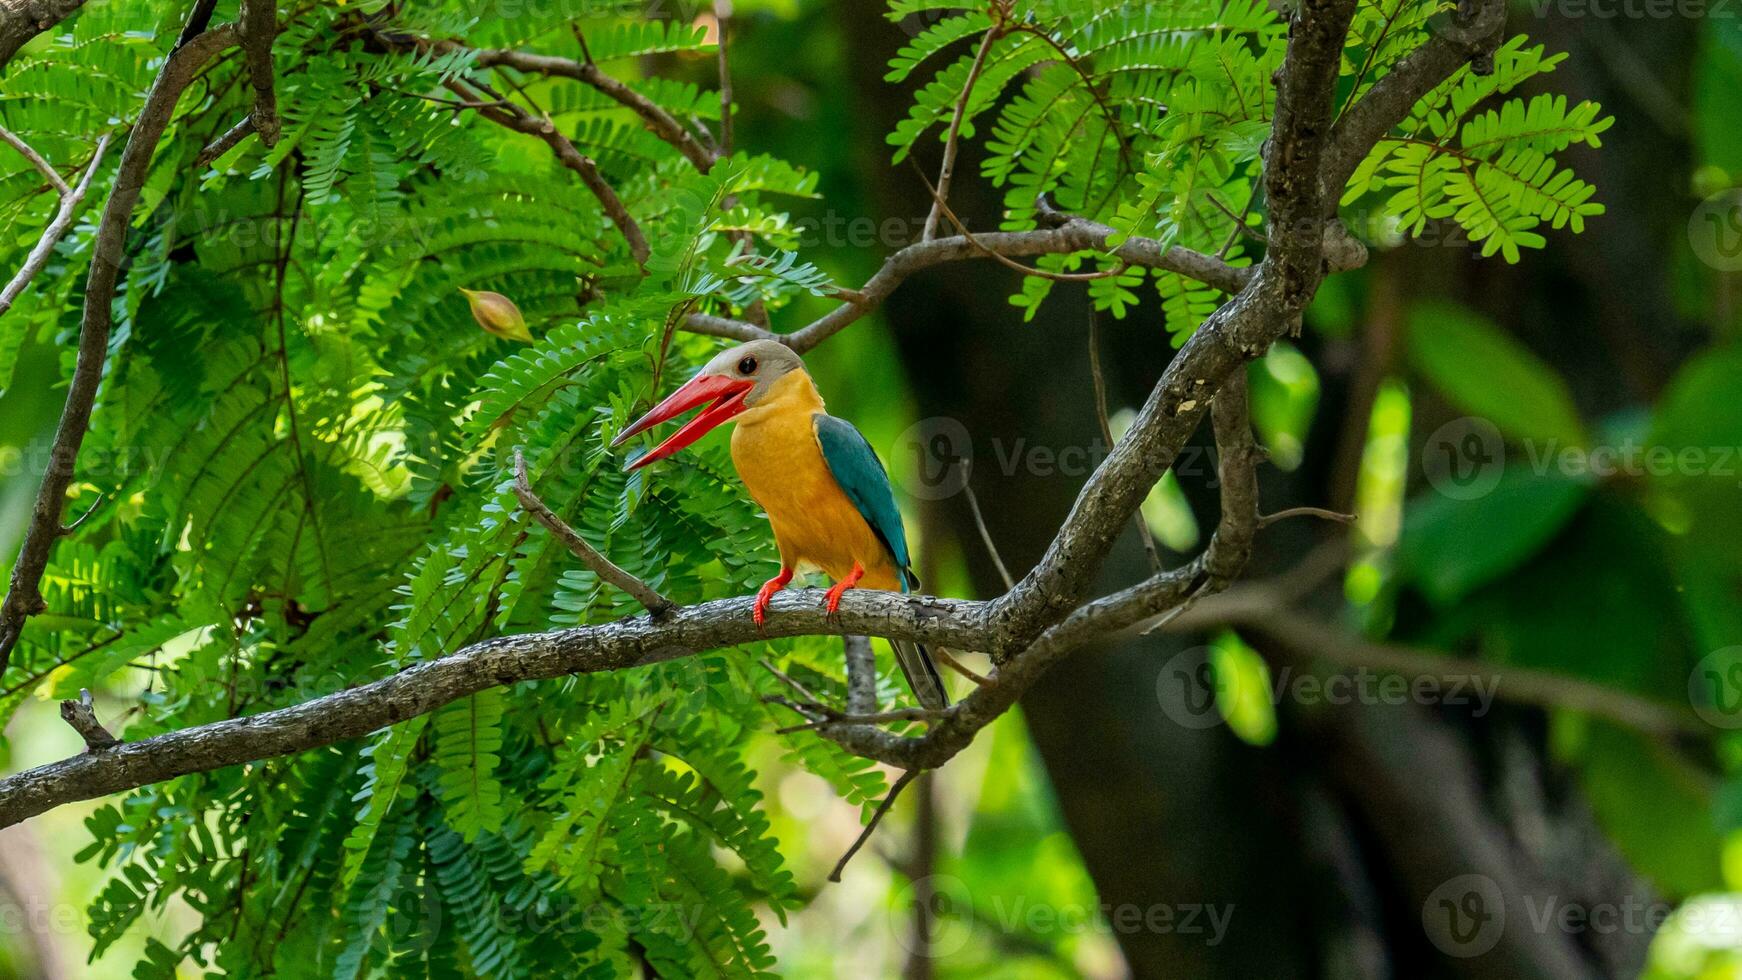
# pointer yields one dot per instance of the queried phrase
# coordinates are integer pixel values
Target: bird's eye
(747, 366)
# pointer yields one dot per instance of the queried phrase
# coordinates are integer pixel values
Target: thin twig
(803, 692)
(722, 18)
(906, 777)
(82, 518)
(1101, 415)
(1321, 512)
(42, 166)
(70, 199)
(658, 121)
(1239, 219)
(943, 656)
(608, 570)
(947, 171)
(829, 716)
(986, 536)
(224, 143)
(1027, 270)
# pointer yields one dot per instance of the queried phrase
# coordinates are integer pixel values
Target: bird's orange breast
(774, 448)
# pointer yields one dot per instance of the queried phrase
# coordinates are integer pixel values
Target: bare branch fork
(70, 199)
(1045, 616)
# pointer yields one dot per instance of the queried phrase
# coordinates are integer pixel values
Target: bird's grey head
(761, 361)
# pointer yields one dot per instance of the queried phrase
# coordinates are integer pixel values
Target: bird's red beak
(726, 395)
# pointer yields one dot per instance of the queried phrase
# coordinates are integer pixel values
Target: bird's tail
(921, 673)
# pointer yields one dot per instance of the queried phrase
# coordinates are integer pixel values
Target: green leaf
(1488, 374)
(1450, 547)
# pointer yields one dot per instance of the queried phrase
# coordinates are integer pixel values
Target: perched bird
(824, 489)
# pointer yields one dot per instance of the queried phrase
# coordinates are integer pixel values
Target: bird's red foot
(766, 593)
(834, 594)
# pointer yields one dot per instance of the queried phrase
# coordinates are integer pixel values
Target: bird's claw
(764, 595)
(832, 598)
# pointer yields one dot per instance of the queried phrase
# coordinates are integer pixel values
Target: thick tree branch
(259, 25)
(70, 199)
(861, 675)
(426, 686)
(24, 596)
(1240, 330)
(22, 20)
(1305, 99)
(1237, 472)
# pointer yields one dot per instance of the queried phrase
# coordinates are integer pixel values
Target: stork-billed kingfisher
(825, 491)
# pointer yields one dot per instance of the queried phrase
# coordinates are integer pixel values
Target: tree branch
(42, 166)
(225, 142)
(722, 26)
(259, 26)
(1238, 331)
(424, 687)
(661, 123)
(876, 818)
(513, 117)
(24, 596)
(1474, 32)
(82, 716)
(1027, 630)
(952, 141)
(861, 675)
(23, 20)
(1074, 235)
(607, 570)
(70, 199)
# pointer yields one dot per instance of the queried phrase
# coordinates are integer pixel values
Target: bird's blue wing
(860, 473)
